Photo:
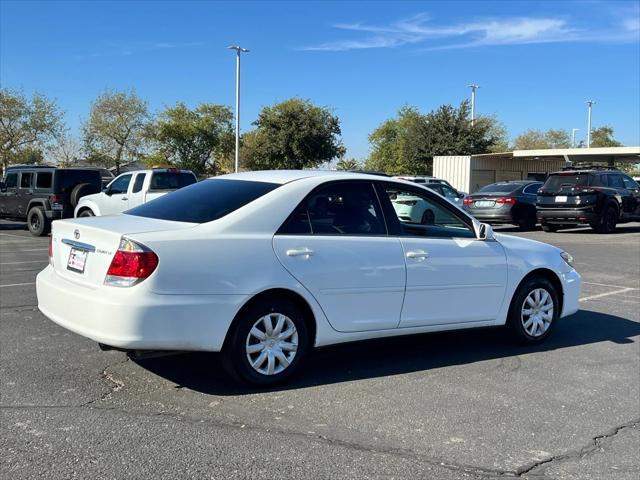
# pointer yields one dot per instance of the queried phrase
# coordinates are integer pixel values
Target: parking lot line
(17, 263)
(600, 295)
(17, 236)
(605, 285)
(17, 284)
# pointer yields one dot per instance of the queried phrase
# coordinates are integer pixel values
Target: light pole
(238, 50)
(473, 88)
(573, 137)
(589, 105)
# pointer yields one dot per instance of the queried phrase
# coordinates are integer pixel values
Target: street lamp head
(238, 48)
(473, 86)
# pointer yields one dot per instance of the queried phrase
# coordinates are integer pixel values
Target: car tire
(268, 360)
(528, 221)
(549, 228)
(37, 222)
(529, 320)
(608, 220)
(87, 212)
(81, 190)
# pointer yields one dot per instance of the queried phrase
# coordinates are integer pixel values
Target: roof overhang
(574, 155)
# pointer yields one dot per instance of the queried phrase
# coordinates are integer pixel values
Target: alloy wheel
(537, 312)
(272, 344)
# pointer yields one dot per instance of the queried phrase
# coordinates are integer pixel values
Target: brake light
(131, 264)
(505, 200)
(55, 198)
(50, 250)
(467, 201)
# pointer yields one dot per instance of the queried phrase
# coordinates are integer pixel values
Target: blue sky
(536, 62)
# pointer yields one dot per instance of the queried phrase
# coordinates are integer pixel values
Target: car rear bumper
(487, 216)
(135, 319)
(566, 216)
(571, 282)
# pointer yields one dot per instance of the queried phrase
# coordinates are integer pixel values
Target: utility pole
(238, 50)
(573, 137)
(589, 105)
(473, 88)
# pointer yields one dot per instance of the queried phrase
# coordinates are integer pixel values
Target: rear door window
(204, 201)
(615, 181)
(25, 179)
(629, 183)
(137, 184)
(532, 189)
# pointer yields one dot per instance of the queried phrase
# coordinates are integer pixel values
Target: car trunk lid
(84, 247)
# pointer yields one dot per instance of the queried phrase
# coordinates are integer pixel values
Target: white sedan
(264, 266)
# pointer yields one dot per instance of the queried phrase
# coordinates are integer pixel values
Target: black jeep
(40, 194)
(599, 196)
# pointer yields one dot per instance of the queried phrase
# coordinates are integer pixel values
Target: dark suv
(40, 194)
(600, 197)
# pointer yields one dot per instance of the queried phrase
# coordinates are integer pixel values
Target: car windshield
(204, 201)
(558, 182)
(170, 180)
(500, 188)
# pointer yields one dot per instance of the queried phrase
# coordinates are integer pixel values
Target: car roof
(286, 176)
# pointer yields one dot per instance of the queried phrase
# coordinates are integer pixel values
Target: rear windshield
(171, 180)
(558, 182)
(65, 180)
(204, 201)
(500, 188)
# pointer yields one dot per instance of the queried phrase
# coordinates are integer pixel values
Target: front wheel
(268, 343)
(86, 213)
(534, 310)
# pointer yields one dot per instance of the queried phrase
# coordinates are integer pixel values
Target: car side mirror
(460, 195)
(107, 191)
(485, 232)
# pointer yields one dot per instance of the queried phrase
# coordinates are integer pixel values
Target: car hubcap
(35, 223)
(272, 344)
(537, 312)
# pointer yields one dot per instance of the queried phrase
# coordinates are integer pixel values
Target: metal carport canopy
(585, 155)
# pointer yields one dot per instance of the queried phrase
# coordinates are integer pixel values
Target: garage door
(480, 178)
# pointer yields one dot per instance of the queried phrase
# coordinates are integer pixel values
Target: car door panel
(458, 280)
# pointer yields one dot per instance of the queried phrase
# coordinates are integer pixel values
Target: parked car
(598, 196)
(426, 180)
(131, 189)
(40, 194)
(263, 266)
(512, 202)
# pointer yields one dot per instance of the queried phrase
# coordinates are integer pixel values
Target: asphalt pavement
(446, 406)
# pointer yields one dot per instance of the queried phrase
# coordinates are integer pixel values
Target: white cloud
(418, 30)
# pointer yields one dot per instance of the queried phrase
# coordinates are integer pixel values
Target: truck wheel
(81, 190)
(607, 221)
(37, 222)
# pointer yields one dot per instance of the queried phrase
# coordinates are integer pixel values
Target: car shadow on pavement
(202, 372)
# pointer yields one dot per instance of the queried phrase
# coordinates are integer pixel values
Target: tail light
(132, 263)
(467, 201)
(51, 250)
(55, 198)
(506, 200)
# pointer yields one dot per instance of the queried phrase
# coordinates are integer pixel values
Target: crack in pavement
(108, 379)
(594, 445)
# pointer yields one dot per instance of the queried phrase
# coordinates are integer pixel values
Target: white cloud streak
(419, 31)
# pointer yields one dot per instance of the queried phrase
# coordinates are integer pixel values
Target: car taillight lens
(505, 200)
(467, 201)
(131, 264)
(50, 250)
(55, 198)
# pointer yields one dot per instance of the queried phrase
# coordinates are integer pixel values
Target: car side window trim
(375, 196)
(394, 222)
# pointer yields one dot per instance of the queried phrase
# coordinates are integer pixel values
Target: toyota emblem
(76, 233)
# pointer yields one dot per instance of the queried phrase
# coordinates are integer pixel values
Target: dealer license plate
(561, 199)
(77, 260)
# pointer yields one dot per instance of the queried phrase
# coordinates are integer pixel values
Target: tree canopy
(27, 126)
(347, 164)
(603, 137)
(114, 132)
(407, 143)
(539, 140)
(294, 134)
(201, 140)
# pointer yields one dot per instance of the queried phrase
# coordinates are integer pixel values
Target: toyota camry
(264, 266)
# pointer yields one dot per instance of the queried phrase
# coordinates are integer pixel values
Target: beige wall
(455, 169)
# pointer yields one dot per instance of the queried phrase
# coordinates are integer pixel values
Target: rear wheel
(37, 222)
(607, 221)
(534, 310)
(268, 343)
(527, 221)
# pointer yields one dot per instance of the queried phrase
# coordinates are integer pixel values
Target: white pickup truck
(131, 189)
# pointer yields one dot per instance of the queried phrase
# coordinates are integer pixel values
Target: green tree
(603, 137)
(199, 140)
(114, 132)
(347, 164)
(539, 140)
(66, 151)
(29, 155)
(495, 130)
(407, 144)
(26, 124)
(294, 134)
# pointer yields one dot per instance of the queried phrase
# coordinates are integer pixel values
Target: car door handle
(124, 199)
(417, 254)
(299, 252)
